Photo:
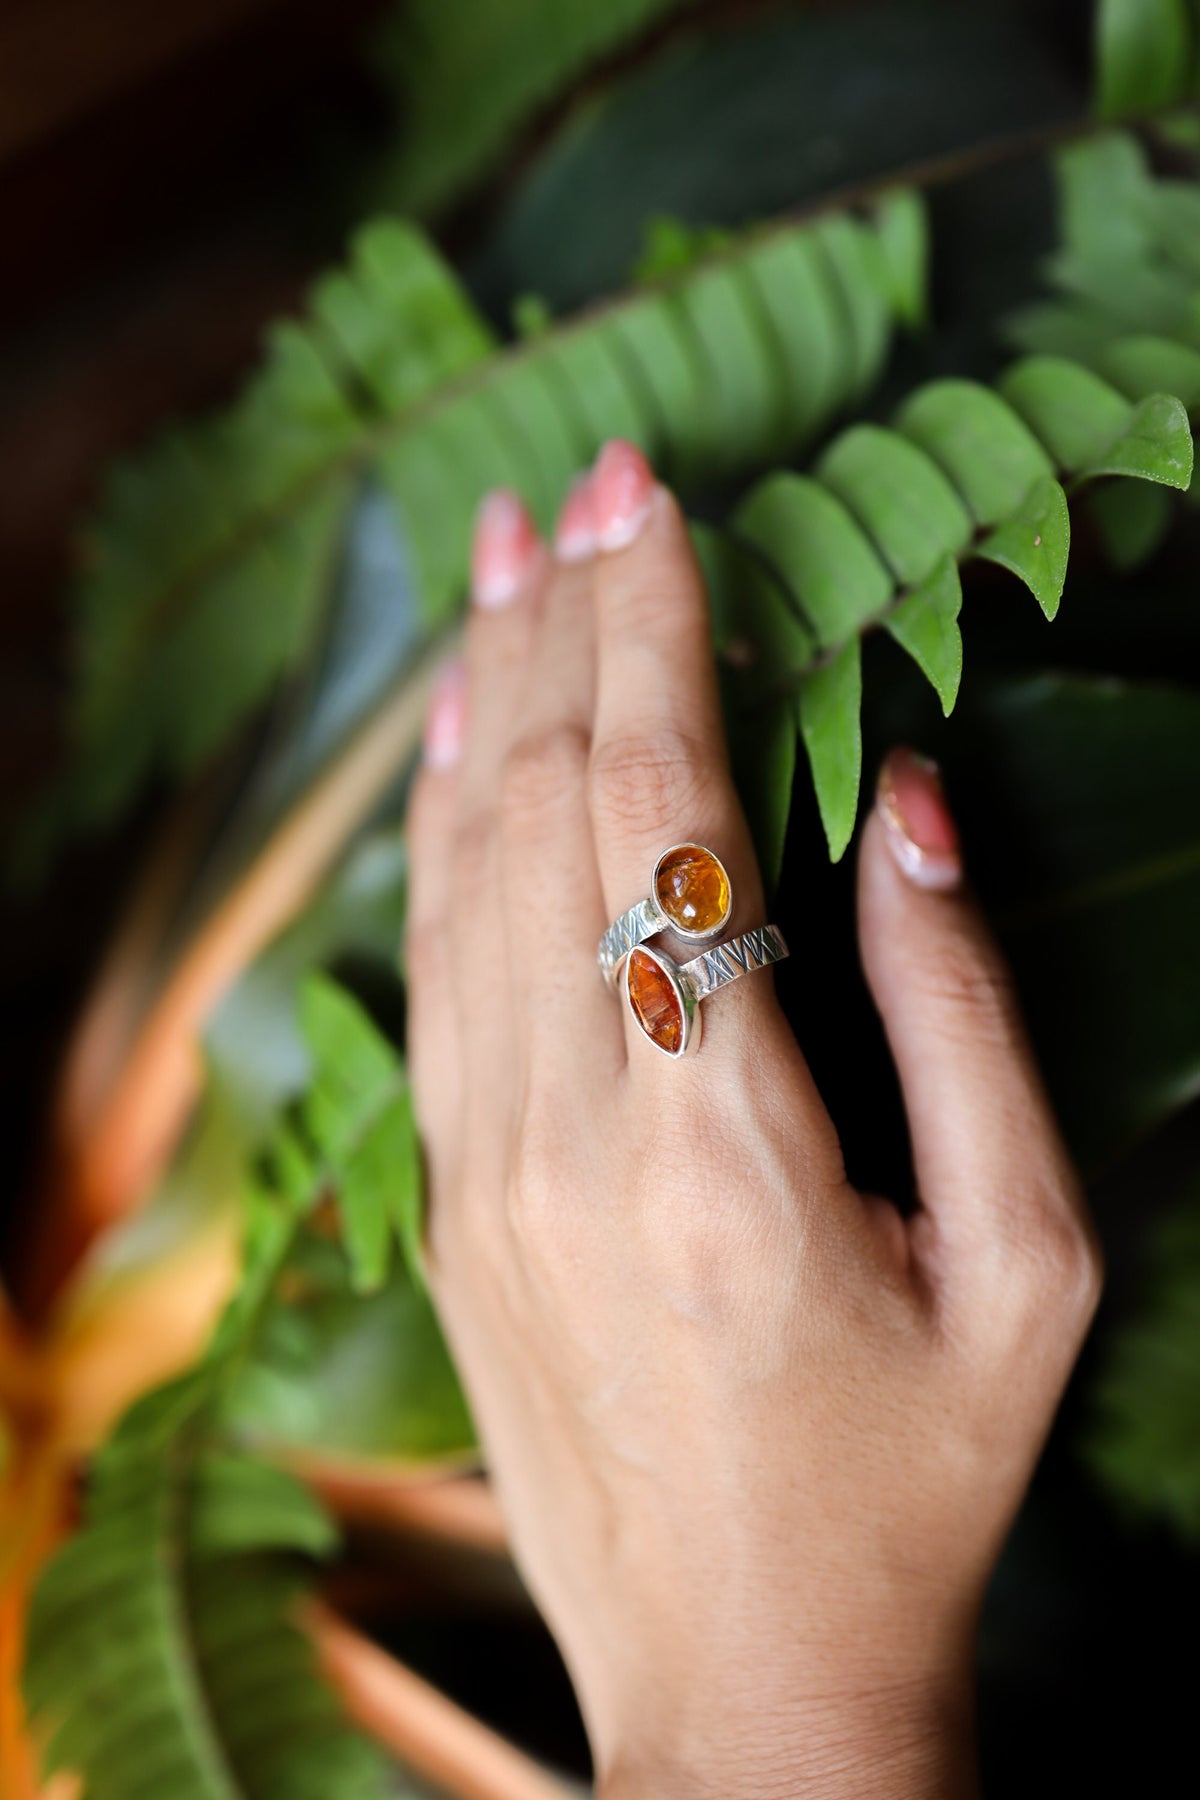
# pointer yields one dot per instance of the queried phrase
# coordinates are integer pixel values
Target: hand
(757, 1438)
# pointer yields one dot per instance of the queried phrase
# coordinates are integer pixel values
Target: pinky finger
(433, 1050)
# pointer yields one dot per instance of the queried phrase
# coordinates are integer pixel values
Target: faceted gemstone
(656, 1005)
(692, 888)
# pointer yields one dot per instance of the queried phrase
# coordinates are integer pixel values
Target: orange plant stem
(428, 1732)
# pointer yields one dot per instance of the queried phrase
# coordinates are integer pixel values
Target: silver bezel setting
(669, 924)
(688, 1005)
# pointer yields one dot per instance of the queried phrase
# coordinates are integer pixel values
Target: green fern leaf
(1144, 55)
(163, 1655)
(163, 1652)
(357, 1115)
(211, 563)
(875, 537)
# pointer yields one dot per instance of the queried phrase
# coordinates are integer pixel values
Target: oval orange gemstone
(692, 888)
(656, 1005)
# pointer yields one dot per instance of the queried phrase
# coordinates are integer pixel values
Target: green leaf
(900, 497)
(214, 563)
(1033, 543)
(1091, 428)
(1141, 366)
(1098, 781)
(358, 1116)
(672, 244)
(1156, 446)
(902, 225)
(759, 638)
(990, 456)
(239, 1505)
(1142, 1442)
(829, 700)
(925, 623)
(174, 1603)
(876, 536)
(811, 540)
(467, 79)
(1143, 55)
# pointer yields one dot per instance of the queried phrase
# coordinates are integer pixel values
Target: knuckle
(540, 769)
(1071, 1264)
(1055, 1256)
(651, 778)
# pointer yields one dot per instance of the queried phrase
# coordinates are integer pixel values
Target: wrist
(876, 1745)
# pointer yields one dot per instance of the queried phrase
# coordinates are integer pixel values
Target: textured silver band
(724, 963)
(632, 928)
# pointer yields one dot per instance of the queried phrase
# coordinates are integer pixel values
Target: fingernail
(921, 834)
(622, 493)
(503, 550)
(446, 720)
(575, 533)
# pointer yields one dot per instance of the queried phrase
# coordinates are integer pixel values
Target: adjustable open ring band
(690, 894)
(664, 996)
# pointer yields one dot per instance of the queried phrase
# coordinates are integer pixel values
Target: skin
(758, 1440)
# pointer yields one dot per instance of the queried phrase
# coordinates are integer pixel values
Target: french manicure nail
(503, 550)
(575, 533)
(921, 834)
(622, 494)
(446, 720)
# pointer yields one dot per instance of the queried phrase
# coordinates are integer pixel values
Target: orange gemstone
(692, 888)
(656, 1005)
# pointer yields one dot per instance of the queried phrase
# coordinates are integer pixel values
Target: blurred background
(171, 180)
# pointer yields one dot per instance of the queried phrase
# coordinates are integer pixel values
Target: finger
(660, 768)
(508, 565)
(433, 1048)
(554, 905)
(1003, 1208)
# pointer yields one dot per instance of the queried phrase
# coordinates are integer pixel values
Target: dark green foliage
(1144, 1444)
(468, 76)
(211, 564)
(164, 1653)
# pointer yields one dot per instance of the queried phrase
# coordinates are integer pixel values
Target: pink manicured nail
(622, 493)
(920, 832)
(505, 543)
(575, 533)
(446, 720)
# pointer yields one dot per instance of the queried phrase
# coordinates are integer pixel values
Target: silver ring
(664, 996)
(690, 895)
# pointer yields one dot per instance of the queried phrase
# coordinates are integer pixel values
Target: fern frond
(876, 536)
(163, 1651)
(210, 562)
(358, 1115)
(468, 76)
(1145, 55)
(1128, 269)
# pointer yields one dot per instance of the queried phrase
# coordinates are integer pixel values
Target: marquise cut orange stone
(692, 888)
(655, 1003)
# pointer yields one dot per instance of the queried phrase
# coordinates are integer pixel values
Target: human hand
(757, 1438)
